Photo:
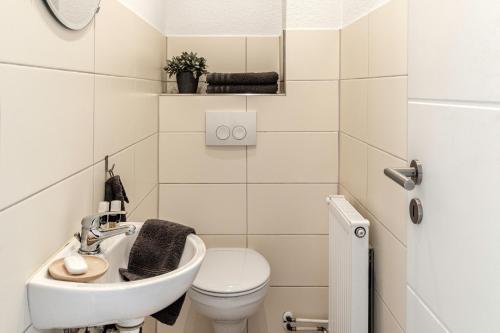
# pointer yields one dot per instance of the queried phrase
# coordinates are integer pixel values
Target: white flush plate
(231, 128)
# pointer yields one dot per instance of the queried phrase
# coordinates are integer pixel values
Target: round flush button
(239, 132)
(223, 132)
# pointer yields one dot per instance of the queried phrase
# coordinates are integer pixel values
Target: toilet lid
(228, 271)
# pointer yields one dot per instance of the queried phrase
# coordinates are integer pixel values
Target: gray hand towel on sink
(242, 78)
(158, 250)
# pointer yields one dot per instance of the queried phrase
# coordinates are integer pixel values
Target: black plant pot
(187, 83)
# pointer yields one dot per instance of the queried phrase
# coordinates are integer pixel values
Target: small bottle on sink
(116, 206)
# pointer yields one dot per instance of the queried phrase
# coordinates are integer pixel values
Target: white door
(454, 130)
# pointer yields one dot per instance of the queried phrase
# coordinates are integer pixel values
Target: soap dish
(97, 267)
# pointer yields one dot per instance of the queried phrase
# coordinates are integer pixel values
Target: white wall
(352, 10)
(223, 17)
(325, 14)
(152, 11)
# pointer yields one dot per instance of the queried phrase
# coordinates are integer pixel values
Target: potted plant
(187, 68)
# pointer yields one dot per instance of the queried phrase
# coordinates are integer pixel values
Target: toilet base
(239, 326)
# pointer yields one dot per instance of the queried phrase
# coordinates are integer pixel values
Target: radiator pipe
(291, 328)
(288, 317)
(289, 323)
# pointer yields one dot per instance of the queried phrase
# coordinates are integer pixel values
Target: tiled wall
(373, 136)
(66, 100)
(269, 197)
(237, 54)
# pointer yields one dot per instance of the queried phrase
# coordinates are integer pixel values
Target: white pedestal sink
(109, 300)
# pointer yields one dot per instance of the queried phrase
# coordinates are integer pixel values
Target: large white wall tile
(209, 208)
(288, 208)
(354, 107)
(453, 50)
(390, 269)
(30, 35)
(312, 54)
(114, 119)
(306, 302)
(148, 47)
(263, 54)
(223, 54)
(45, 128)
(37, 227)
(184, 158)
(212, 241)
(146, 107)
(387, 115)
(126, 110)
(294, 158)
(115, 51)
(388, 46)
(384, 320)
(307, 106)
(147, 208)
(124, 162)
(125, 44)
(353, 166)
(354, 50)
(145, 166)
(187, 113)
(385, 199)
(295, 260)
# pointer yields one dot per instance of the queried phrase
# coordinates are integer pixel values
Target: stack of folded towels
(242, 83)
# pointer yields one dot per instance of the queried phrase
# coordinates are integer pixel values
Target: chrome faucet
(92, 234)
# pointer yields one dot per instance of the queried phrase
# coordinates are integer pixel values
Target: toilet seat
(232, 272)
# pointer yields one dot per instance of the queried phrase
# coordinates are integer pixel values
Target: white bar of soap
(76, 264)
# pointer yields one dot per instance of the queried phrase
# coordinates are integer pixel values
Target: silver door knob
(408, 178)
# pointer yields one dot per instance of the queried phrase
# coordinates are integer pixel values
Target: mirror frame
(72, 25)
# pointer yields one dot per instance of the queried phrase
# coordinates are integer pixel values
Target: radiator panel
(348, 268)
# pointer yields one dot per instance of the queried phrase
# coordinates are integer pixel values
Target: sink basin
(109, 300)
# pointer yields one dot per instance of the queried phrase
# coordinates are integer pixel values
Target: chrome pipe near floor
(290, 323)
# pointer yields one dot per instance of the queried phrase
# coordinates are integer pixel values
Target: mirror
(74, 14)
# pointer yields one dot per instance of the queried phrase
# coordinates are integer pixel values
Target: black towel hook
(107, 169)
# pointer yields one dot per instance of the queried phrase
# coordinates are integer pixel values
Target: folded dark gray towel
(114, 190)
(158, 250)
(242, 78)
(257, 89)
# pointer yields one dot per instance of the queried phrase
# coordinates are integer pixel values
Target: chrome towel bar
(408, 178)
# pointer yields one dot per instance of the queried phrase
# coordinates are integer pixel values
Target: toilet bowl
(230, 287)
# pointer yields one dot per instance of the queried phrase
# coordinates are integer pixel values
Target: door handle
(408, 178)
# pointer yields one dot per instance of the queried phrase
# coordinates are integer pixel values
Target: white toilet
(230, 286)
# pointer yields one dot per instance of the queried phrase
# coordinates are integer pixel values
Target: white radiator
(348, 268)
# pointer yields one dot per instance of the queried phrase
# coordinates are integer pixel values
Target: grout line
(46, 188)
(270, 131)
(125, 148)
(250, 183)
(293, 286)
(372, 146)
(375, 77)
(388, 309)
(246, 182)
(93, 165)
(143, 199)
(74, 71)
(376, 218)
